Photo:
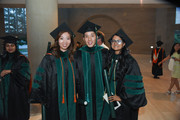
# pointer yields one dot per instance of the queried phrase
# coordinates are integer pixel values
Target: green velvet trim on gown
(134, 84)
(5, 84)
(67, 111)
(87, 80)
(113, 84)
(93, 49)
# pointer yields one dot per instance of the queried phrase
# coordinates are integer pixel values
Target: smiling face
(64, 41)
(90, 38)
(10, 47)
(117, 44)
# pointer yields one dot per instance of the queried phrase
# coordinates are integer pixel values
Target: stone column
(42, 18)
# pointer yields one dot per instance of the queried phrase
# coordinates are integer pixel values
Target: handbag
(171, 64)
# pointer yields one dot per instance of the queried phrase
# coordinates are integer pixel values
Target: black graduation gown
(131, 91)
(15, 92)
(158, 70)
(128, 85)
(46, 89)
(95, 71)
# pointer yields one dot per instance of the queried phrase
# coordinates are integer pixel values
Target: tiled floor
(160, 105)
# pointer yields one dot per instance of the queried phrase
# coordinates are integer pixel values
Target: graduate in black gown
(54, 82)
(14, 84)
(126, 83)
(158, 54)
(89, 61)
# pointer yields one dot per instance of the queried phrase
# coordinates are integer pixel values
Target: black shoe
(156, 77)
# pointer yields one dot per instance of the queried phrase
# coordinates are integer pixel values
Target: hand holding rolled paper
(114, 98)
(111, 105)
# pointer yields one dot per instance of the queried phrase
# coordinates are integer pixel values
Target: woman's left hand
(114, 98)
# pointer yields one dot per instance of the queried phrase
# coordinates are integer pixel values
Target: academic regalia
(158, 54)
(14, 87)
(53, 79)
(54, 85)
(130, 89)
(89, 79)
(125, 82)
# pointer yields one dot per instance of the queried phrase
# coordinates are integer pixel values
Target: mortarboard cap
(88, 26)
(62, 27)
(123, 36)
(159, 43)
(10, 39)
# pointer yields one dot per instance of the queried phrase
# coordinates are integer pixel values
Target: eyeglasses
(10, 45)
(117, 41)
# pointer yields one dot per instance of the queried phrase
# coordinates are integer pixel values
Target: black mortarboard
(9, 39)
(88, 26)
(62, 27)
(159, 43)
(123, 36)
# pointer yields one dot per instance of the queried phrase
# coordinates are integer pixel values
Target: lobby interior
(145, 22)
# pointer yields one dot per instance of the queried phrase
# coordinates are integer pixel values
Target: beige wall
(141, 24)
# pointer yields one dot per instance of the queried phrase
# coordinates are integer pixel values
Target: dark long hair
(173, 50)
(56, 47)
(122, 64)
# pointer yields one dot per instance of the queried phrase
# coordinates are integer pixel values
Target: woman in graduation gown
(89, 60)
(126, 84)
(14, 84)
(54, 82)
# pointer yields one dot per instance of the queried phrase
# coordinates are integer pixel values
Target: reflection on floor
(160, 105)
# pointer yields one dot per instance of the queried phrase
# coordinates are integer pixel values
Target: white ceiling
(92, 1)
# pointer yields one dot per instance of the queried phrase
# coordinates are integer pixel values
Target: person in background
(89, 61)
(54, 83)
(100, 40)
(14, 85)
(126, 81)
(175, 74)
(78, 45)
(158, 54)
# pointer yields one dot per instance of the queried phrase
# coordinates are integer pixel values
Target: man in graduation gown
(158, 54)
(89, 61)
(14, 85)
(54, 81)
